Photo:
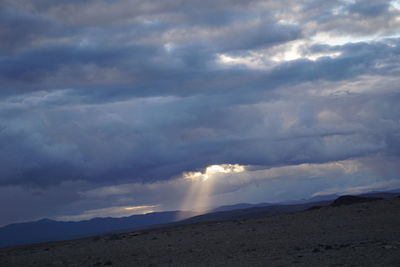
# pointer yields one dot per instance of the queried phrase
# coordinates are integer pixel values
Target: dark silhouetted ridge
(348, 200)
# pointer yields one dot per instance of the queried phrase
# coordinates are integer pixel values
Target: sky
(113, 108)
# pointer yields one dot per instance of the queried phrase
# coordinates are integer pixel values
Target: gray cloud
(96, 94)
(369, 9)
(147, 71)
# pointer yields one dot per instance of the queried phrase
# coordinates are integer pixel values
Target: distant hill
(49, 230)
(348, 200)
(288, 202)
(380, 195)
(240, 206)
(313, 199)
(355, 234)
(253, 212)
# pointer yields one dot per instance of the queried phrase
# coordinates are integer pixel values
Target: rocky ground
(361, 234)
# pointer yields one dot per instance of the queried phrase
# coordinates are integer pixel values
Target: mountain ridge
(45, 230)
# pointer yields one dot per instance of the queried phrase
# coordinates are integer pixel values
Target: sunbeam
(199, 196)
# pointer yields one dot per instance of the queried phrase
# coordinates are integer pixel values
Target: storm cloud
(130, 96)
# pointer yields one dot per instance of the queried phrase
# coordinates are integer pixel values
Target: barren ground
(366, 234)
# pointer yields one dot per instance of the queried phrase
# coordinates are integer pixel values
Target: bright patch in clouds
(253, 61)
(288, 52)
(214, 170)
(200, 195)
(109, 212)
(334, 39)
(224, 184)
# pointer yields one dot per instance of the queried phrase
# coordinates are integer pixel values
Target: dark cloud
(18, 30)
(369, 9)
(97, 94)
(160, 139)
(102, 74)
(258, 36)
(356, 18)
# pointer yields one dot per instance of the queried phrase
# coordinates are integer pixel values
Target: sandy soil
(366, 234)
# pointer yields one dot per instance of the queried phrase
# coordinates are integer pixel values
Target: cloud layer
(99, 94)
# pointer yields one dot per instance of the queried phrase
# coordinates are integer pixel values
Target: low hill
(360, 234)
(253, 212)
(49, 230)
(349, 200)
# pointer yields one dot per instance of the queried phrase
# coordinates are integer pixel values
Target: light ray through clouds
(199, 196)
(231, 183)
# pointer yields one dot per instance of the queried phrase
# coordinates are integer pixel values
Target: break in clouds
(117, 107)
